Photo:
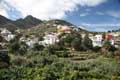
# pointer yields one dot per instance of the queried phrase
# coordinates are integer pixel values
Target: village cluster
(52, 38)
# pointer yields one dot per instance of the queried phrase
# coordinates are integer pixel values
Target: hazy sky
(94, 15)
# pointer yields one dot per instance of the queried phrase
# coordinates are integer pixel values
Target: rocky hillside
(51, 26)
(25, 23)
(35, 25)
(4, 20)
(6, 23)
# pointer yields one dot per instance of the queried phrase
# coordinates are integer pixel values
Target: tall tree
(107, 44)
(87, 42)
(76, 44)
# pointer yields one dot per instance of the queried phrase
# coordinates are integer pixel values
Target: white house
(64, 28)
(31, 42)
(7, 35)
(5, 32)
(117, 43)
(112, 42)
(10, 37)
(83, 35)
(23, 39)
(97, 40)
(115, 34)
(49, 39)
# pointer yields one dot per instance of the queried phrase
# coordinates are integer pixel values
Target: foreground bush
(60, 69)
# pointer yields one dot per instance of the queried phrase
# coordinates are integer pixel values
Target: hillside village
(59, 39)
(52, 38)
(58, 50)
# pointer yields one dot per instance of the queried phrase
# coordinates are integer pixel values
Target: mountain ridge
(4, 20)
(25, 23)
(33, 23)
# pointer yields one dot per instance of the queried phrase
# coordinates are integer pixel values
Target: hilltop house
(64, 29)
(49, 39)
(117, 43)
(31, 42)
(83, 35)
(116, 38)
(5, 32)
(115, 34)
(111, 37)
(97, 40)
(7, 35)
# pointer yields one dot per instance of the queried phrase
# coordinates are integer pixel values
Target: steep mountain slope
(28, 22)
(35, 25)
(25, 23)
(4, 20)
(51, 26)
(9, 26)
(6, 23)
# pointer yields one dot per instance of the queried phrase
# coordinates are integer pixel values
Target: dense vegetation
(73, 58)
(43, 65)
(55, 63)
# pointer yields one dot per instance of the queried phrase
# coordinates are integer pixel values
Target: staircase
(77, 57)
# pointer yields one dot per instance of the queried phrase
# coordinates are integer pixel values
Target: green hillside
(27, 22)
(50, 26)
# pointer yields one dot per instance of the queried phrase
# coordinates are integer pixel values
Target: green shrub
(4, 60)
(62, 53)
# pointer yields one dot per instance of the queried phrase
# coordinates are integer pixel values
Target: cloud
(49, 9)
(101, 26)
(115, 14)
(87, 10)
(91, 3)
(110, 13)
(3, 9)
(3, 12)
(84, 14)
(100, 13)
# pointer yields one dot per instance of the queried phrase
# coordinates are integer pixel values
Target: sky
(93, 15)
